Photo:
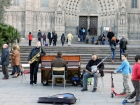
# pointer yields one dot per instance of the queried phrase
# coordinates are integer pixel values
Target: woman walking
(113, 47)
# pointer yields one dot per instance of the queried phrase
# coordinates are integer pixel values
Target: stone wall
(62, 16)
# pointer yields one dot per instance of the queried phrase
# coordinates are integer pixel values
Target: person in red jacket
(30, 37)
(136, 81)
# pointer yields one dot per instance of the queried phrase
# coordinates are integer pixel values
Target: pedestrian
(126, 71)
(34, 58)
(136, 81)
(113, 48)
(123, 45)
(54, 39)
(44, 39)
(109, 36)
(5, 61)
(69, 37)
(63, 39)
(50, 37)
(39, 35)
(16, 61)
(30, 37)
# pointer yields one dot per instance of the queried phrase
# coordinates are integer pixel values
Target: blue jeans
(113, 54)
(87, 75)
(122, 50)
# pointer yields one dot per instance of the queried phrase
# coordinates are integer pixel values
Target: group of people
(52, 37)
(113, 42)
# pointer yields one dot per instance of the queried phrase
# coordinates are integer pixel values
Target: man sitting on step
(93, 71)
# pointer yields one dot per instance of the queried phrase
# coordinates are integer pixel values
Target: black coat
(110, 35)
(62, 38)
(123, 43)
(100, 67)
(55, 37)
(34, 51)
(5, 57)
(49, 35)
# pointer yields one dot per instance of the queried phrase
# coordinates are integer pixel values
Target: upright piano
(74, 67)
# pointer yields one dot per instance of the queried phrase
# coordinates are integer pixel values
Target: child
(126, 70)
(136, 80)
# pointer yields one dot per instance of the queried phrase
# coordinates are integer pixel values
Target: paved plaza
(13, 92)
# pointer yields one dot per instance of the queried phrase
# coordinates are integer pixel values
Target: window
(15, 2)
(44, 3)
(134, 4)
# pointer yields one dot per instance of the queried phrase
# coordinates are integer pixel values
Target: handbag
(113, 47)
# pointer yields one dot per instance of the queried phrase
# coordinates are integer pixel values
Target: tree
(8, 34)
(3, 5)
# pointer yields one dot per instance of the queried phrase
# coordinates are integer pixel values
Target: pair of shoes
(12, 74)
(94, 89)
(122, 93)
(84, 90)
(4, 78)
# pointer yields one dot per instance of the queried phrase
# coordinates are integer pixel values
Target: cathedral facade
(64, 16)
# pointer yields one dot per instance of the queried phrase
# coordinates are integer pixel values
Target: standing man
(39, 35)
(50, 37)
(69, 37)
(5, 61)
(34, 59)
(54, 39)
(109, 36)
(123, 44)
(91, 72)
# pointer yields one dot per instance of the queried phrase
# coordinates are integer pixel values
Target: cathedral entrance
(90, 23)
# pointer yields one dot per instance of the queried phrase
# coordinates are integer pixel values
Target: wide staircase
(85, 53)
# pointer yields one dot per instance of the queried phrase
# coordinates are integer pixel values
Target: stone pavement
(13, 92)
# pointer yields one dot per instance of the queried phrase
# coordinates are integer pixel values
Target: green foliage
(8, 34)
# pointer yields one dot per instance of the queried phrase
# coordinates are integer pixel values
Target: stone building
(64, 16)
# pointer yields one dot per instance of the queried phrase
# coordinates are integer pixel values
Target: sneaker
(94, 90)
(84, 90)
(35, 84)
(112, 61)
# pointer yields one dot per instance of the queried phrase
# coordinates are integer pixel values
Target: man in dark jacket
(59, 62)
(109, 36)
(91, 71)
(54, 39)
(123, 44)
(39, 35)
(5, 61)
(34, 59)
(50, 37)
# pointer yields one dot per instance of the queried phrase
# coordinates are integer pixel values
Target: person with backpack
(100, 39)
(109, 36)
(123, 45)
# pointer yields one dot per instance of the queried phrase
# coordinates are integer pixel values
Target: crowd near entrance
(89, 23)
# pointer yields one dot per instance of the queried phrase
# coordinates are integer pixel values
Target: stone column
(28, 16)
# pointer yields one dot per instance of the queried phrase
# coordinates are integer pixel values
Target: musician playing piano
(59, 62)
(93, 71)
(34, 60)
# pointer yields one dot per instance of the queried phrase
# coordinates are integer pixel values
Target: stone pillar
(59, 21)
(122, 19)
(28, 17)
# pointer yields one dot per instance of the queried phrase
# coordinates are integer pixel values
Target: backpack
(65, 98)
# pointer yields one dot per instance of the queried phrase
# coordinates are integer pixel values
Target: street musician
(34, 59)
